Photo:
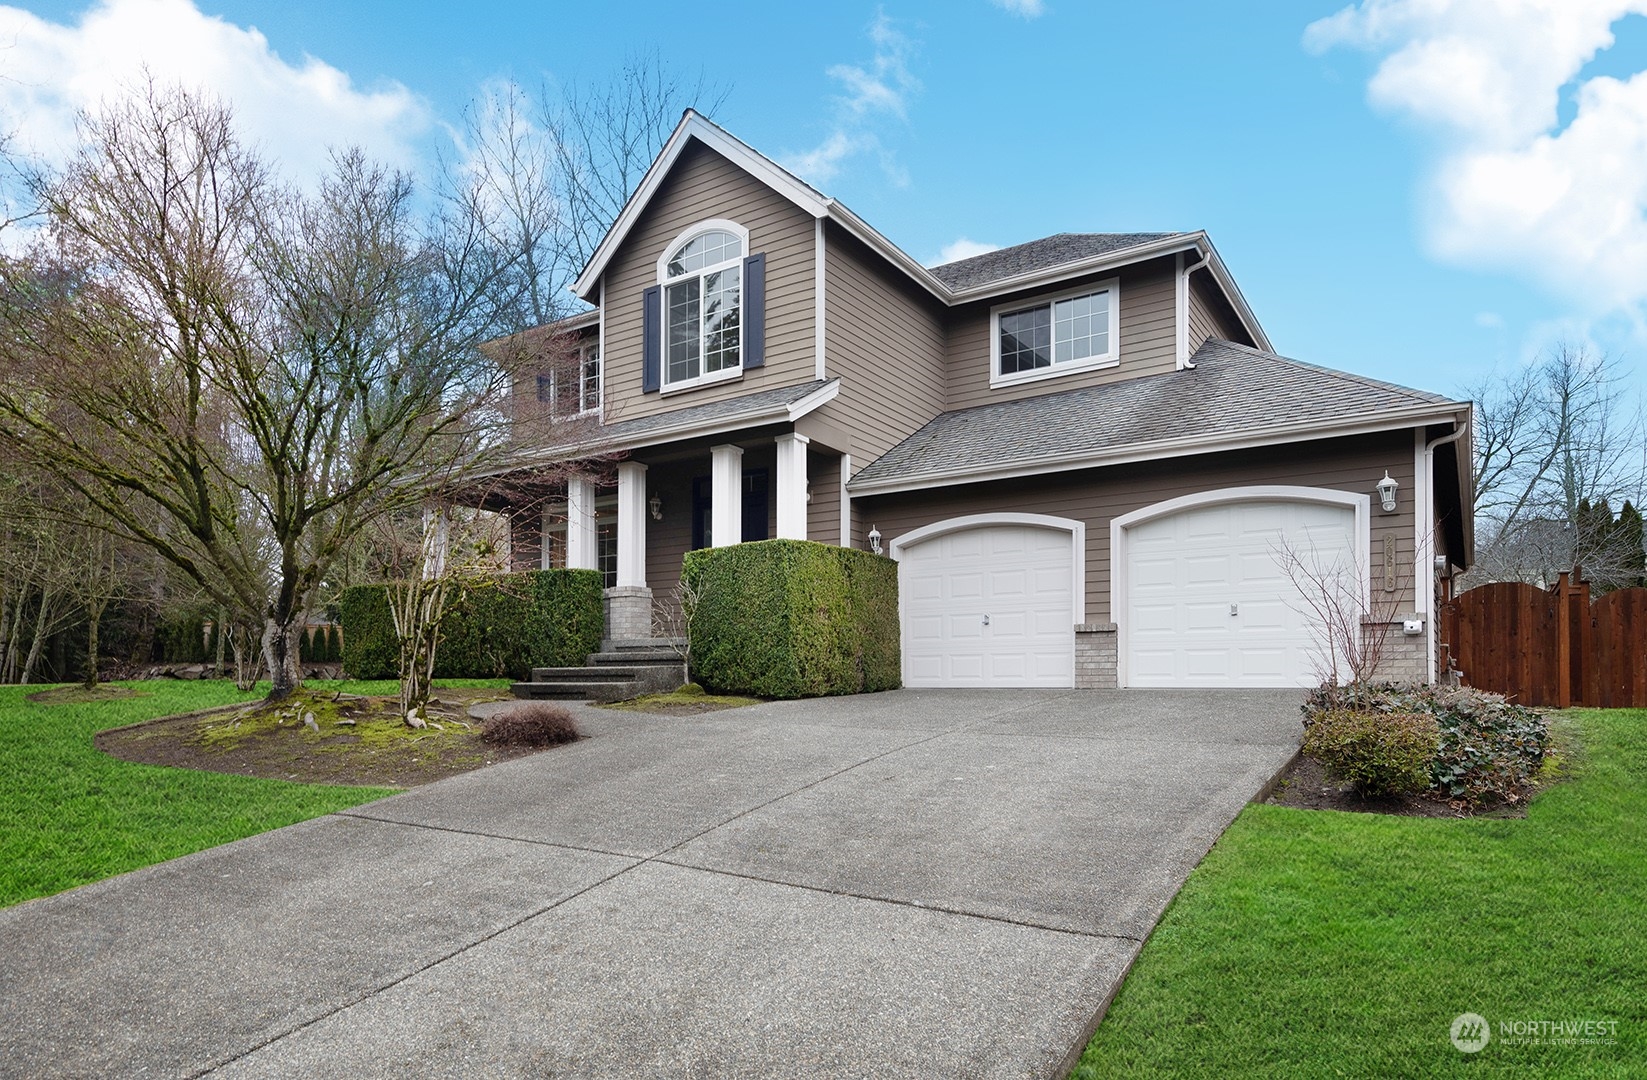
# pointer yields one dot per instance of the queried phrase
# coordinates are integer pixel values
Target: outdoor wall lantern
(874, 540)
(656, 503)
(1386, 492)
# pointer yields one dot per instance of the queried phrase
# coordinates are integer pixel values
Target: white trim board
(1118, 526)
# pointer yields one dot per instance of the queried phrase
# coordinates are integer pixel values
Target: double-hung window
(573, 388)
(1073, 332)
(702, 283)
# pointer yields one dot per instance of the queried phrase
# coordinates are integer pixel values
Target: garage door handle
(1235, 609)
(986, 620)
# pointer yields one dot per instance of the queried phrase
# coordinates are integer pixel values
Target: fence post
(1564, 643)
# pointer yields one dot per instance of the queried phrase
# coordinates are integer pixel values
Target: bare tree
(1350, 621)
(237, 375)
(556, 173)
(1552, 441)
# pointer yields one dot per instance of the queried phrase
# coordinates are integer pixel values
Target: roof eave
(1232, 292)
(693, 125)
(1109, 260)
(780, 413)
(1391, 420)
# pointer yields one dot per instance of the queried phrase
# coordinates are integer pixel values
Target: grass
(70, 814)
(1317, 943)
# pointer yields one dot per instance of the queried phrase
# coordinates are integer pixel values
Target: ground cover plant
(70, 814)
(688, 700)
(1330, 944)
(1486, 751)
(328, 733)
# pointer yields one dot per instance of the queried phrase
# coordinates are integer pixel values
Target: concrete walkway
(934, 883)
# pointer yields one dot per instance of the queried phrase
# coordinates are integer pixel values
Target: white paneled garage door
(989, 606)
(1208, 604)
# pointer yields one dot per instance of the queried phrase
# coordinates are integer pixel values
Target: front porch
(633, 514)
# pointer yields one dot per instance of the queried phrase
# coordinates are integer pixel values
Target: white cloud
(50, 71)
(1510, 189)
(874, 91)
(963, 248)
(1029, 9)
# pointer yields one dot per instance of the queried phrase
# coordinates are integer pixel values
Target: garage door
(989, 606)
(1208, 604)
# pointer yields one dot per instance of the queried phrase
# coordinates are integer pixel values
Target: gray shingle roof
(1231, 391)
(1036, 255)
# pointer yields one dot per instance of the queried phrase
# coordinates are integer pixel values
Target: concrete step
(601, 673)
(592, 690)
(621, 644)
(635, 656)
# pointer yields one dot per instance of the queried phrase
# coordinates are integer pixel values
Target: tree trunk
(94, 615)
(281, 657)
(220, 630)
(42, 620)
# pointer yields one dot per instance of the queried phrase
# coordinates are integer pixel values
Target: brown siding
(885, 343)
(823, 513)
(1210, 316)
(1149, 345)
(705, 185)
(1097, 496)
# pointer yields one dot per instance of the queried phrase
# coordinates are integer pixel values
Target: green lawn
(70, 814)
(1314, 943)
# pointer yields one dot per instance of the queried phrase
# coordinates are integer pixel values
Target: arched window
(702, 279)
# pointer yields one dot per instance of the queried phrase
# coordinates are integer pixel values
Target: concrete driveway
(923, 882)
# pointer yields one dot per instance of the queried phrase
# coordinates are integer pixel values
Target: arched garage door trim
(1360, 503)
(1077, 538)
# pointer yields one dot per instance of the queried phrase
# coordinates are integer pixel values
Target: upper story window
(1073, 332)
(702, 280)
(573, 388)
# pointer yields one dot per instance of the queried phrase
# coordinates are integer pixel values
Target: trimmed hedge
(495, 628)
(792, 618)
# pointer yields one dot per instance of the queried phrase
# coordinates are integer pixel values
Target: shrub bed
(1488, 750)
(1381, 753)
(494, 628)
(792, 618)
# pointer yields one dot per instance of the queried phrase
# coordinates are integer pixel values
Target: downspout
(1189, 272)
(1429, 485)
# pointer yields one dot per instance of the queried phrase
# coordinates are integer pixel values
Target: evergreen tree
(1628, 541)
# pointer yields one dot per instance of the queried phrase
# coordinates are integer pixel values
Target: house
(1082, 450)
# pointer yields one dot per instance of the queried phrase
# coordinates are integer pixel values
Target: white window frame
(606, 512)
(704, 378)
(587, 404)
(1110, 358)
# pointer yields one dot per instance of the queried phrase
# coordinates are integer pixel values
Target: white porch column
(792, 486)
(631, 524)
(582, 549)
(546, 521)
(725, 495)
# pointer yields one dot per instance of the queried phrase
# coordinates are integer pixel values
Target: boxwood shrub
(494, 628)
(791, 618)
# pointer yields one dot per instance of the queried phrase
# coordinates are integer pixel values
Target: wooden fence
(1551, 647)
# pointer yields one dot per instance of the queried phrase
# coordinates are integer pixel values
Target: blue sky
(1422, 192)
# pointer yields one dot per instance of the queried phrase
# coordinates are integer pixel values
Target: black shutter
(651, 339)
(754, 311)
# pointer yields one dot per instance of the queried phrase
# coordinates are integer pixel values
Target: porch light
(1386, 492)
(656, 505)
(874, 540)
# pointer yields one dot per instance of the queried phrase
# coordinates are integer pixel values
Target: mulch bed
(1309, 786)
(377, 750)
